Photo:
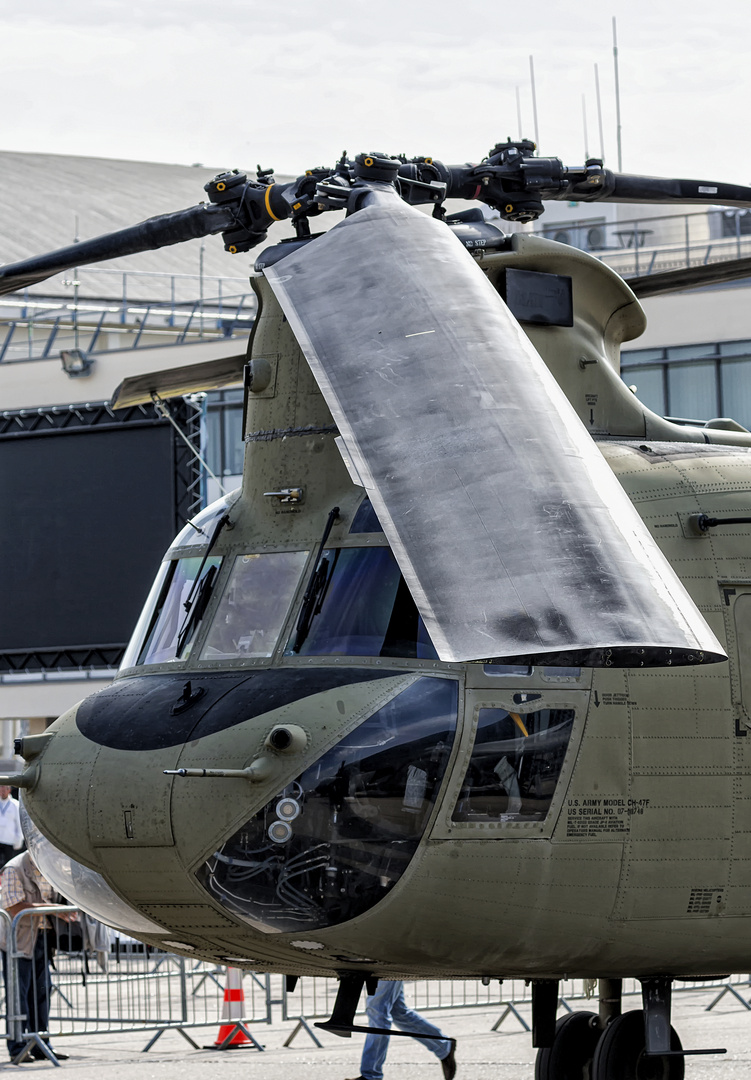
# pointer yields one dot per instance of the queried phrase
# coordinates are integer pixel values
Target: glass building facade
(684, 382)
(223, 440)
(693, 382)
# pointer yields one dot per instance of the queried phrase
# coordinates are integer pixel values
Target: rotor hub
(376, 167)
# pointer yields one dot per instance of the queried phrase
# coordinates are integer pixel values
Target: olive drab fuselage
(399, 813)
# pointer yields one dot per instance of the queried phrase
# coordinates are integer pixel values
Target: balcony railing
(637, 247)
(35, 329)
(96, 309)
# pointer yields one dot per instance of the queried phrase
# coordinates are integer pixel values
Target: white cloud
(238, 82)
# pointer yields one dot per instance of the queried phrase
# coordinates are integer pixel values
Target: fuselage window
(179, 609)
(360, 606)
(515, 764)
(254, 606)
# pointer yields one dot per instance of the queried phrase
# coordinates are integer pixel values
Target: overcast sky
(291, 84)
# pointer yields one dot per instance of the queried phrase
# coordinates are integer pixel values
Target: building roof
(46, 200)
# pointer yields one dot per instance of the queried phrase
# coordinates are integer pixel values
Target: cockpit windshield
(255, 603)
(338, 838)
(356, 604)
(362, 608)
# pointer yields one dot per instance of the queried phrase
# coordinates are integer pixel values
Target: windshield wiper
(200, 590)
(317, 586)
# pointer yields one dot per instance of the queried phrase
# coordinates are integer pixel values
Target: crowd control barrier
(113, 985)
(313, 999)
(110, 984)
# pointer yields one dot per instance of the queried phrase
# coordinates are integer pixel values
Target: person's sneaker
(448, 1064)
(39, 1055)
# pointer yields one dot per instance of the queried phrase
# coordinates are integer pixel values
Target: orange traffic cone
(233, 1032)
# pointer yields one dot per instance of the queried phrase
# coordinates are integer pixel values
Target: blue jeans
(388, 1004)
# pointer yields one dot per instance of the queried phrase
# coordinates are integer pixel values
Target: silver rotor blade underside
(514, 537)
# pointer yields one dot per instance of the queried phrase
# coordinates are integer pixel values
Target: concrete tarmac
(481, 1053)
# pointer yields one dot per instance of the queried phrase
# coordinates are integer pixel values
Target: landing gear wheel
(574, 1043)
(620, 1053)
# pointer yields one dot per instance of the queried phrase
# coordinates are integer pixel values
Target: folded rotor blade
(156, 232)
(514, 537)
(690, 277)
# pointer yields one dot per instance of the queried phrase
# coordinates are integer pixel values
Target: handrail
(547, 226)
(666, 241)
(84, 325)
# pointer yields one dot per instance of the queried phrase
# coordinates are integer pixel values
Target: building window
(692, 391)
(736, 223)
(650, 387)
(693, 382)
(735, 378)
(224, 438)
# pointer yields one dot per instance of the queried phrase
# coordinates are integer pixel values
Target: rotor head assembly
(511, 179)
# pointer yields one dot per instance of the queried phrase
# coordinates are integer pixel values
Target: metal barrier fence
(314, 998)
(114, 984)
(111, 987)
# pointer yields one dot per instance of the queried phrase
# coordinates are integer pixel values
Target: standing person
(24, 887)
(388, 1004)
(11, 837)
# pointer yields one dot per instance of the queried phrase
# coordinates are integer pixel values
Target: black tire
(574, 1044)
(620, 1053)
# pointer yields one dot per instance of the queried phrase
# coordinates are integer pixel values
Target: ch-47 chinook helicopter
(443, 689)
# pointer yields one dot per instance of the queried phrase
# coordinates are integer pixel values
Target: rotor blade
(656, 189)
(626, 188)
(515, 539)
(156, 232)
(690, 277)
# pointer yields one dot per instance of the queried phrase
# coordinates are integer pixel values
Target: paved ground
(481, 1053)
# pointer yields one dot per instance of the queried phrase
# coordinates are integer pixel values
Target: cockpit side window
(515, 764)
(365, 519)
(197, 531)
(179, 609)
(363, 608)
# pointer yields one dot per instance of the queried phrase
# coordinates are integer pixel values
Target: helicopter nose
(103, 799)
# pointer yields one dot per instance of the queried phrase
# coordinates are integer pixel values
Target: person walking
(387, 1004)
